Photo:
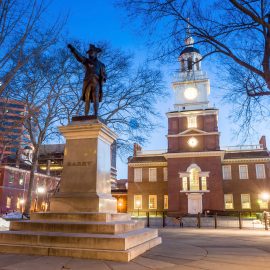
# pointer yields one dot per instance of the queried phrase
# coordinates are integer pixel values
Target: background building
(194, 175)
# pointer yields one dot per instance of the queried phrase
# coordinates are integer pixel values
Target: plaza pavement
(185, 249)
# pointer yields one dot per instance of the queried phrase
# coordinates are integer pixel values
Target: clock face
(192, 142)
(191, 93)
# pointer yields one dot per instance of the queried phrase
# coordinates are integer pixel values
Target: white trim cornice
(148, 164)
(193, 134)
(192, 112)
(247, 160)
(195, 154)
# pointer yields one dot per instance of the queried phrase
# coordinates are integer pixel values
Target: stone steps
(83, 241)
(114, 227)
(82, 216)
(104, 254)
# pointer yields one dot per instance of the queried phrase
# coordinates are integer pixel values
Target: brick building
(194, 174)
(14, 185)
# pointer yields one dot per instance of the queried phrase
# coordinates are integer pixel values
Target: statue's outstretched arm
(77, 55)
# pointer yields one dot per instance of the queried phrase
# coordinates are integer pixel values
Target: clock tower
(194, 156)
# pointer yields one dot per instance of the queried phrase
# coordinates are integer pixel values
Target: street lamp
(265, 196)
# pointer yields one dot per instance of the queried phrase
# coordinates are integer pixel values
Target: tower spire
(189, 41)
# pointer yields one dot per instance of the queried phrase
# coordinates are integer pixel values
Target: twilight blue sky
(98, 20)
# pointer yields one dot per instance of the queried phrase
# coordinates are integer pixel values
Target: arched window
(182, 65)
(197, 64)
(194, 179)
(189, 63)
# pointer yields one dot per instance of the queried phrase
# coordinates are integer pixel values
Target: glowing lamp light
(22, 201)
(120, 204)
(265, 196)
(41, 190)
(138, 204)
(191, 93)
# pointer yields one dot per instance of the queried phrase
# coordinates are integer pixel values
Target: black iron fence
(217, 219)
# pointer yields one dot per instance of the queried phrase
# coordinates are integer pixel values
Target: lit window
(243, 171)
(11, 179)
(152, 174)
(152, 201)
(245, 201)
(227, 172)
(137, 201)
(8, 202)
(194, 180)
(262, 203)
(166, 202)
(184, 184)
(192, 121)
(165, 174)
(138, 175)
(260, 171)
(204, 184)
(228, 201)
(21, 181)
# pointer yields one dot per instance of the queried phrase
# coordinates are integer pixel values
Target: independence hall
(194, 174)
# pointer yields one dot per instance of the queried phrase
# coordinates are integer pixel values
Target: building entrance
(194, 203)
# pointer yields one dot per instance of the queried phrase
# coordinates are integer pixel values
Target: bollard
(240, 220)
(199, 220)
(265, 221)
(148, 219)
(215, 217)
(163, 219)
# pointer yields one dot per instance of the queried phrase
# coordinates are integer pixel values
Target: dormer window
(192, 121)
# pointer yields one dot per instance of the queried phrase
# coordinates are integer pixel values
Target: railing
(243, 147)
(152, 152)
(189, 75)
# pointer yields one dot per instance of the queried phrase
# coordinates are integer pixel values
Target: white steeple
(191, 85)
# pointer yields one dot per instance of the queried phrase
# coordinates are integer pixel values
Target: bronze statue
(94, 77)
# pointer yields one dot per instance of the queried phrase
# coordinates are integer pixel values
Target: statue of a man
(94, 77)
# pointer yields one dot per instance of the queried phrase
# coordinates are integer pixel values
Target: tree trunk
(31, 183)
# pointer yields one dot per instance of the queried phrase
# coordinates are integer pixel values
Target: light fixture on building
(41, 190)
(22, 201)
(192, 142)
(265, 196)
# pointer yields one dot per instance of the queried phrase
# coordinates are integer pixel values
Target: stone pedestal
(82, 222)
(85, 182)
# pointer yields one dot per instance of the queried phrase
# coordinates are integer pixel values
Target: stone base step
(74, 240)
(113, 227)
(81, 216)
(105, 254)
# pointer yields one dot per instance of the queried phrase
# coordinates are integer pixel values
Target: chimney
(262, 142)
(136, 148)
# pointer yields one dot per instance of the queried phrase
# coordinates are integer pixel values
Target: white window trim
(243, 166)
(137, 175)
(135, 198)
(242, 195)
(227, 175)
(153, 196)
(153, 177)
(257, 166)
(225, 201)
(165, 174)
(164, 205)
(192, 121)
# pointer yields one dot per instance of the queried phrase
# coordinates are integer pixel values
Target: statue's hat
(93, 48)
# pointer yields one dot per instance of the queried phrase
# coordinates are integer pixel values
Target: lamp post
(22, 202)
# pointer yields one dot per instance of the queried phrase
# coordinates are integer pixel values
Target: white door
(194, 203)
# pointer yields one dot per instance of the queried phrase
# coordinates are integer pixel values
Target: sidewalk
(184, 249)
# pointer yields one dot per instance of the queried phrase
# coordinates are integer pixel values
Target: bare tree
(129, 99)
(41, 85)
(23, 34)
(239, 30)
